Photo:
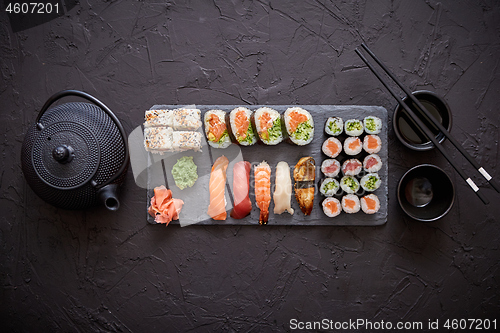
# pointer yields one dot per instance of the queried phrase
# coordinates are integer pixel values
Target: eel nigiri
(304, 175)
(217, 185)
(283, 192)
(241, 187)
(262, 175)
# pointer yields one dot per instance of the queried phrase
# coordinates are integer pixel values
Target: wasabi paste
(185, 172)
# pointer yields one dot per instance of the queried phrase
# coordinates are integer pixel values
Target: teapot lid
(65, 155)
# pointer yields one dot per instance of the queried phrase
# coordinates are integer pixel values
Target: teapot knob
(63, 154)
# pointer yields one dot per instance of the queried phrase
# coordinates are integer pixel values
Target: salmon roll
(350, 203)
(349, 184)
(241, 126)
(351, 167)
(332, 147)
(353, 127)
(353, 146)
(372, 163)
(330, 167)
(329, 187)
(372, 144)
(331, 207)
(215, 129)
(373, 125)
(370, 182)
(370, 204)
(334, 126)
(268, 125)
(299, 126)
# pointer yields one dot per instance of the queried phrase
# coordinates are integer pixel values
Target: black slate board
(196, 198)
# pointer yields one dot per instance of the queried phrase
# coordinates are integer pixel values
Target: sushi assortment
(358, 170)
(172, 130)
(350, 168)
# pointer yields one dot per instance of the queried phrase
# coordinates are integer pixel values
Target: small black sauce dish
(408, 133)
(426, 193)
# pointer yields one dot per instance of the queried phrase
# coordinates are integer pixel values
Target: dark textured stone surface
(96, 270)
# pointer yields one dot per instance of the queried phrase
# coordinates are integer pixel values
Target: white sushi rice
(224, 141)
(326, 164)
(350, 163)
(154, 118)
(329, 201)
(374, 168)
(372, 124)
(329, 153)
(329, 187)
(364, 206)
(350, 210)
(372, 150)
(358, 148)
(158, 140)
(186, 119)
(334, 126)
(370, 182)
(250, 137)
(349, 184)
(276, 136)
(353, 127)
(304, 133)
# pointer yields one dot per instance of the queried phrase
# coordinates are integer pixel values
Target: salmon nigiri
(217, 185)
(241, 187)
(262, 175)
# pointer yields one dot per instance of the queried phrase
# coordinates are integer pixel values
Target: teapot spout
(108, 196)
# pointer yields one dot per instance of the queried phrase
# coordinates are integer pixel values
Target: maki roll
(373, 125)
(186, 140)
(334, 126)
(350, 203)
(329, 187)
(332, 147)
(351, 167)
(331, 207)
(372, 144)
(372, 163)
(353, 146)
(241, 126)
(158, 140)
(349, 184)
(215, 129)
(153, 118)
(186, 119)
(370, 204)
(370, 182)
(330, 167)
(299, 126)
(354, 127)
(268, 125)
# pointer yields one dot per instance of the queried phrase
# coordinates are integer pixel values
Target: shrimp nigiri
(283, 192)
(217, 185)
(262, 175)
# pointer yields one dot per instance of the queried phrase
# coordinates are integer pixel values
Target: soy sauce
(411, 133)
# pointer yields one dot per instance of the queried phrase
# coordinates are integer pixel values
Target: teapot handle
(97, 102)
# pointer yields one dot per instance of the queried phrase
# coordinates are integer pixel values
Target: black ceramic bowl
(426, 193)
(410, 136)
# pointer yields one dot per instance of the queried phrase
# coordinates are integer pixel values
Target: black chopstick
(426, 131)
(436, 123)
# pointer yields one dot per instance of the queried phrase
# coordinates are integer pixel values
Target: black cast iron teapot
(76, 154)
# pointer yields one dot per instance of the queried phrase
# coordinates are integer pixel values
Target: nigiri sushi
(217, 186)
(283, 192)
(262, 175)
(304, 175)
(241, 186)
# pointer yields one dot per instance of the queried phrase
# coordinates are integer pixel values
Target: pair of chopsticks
(427, 132)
